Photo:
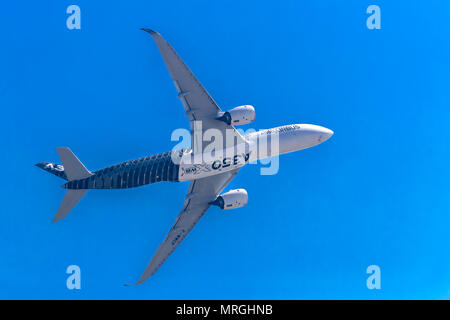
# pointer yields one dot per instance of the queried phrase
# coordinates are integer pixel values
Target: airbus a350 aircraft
(209, 172)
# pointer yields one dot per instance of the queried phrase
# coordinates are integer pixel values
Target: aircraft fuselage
(183, 165)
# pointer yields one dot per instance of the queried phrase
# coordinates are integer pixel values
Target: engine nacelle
(232, 199)
(239, 115)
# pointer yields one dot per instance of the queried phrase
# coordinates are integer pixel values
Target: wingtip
(152, 32)
(140, 281)
(132, 285)
(55, 219)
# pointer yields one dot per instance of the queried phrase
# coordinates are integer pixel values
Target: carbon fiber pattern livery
(131, 174)
(54, 168)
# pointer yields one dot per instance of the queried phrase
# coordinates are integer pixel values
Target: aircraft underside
(208, 177)
(131, 174)
(128, 174)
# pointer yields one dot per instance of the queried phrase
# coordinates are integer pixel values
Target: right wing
(198, 104)
(200, 194)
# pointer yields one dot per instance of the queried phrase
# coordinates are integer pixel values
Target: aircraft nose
(324, 134)
(328, 133)
(311, 135)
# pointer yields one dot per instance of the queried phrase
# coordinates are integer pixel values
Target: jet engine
(232, 199)
(239, 115)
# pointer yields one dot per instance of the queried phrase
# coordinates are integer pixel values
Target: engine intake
(239, 115)
(232, 199)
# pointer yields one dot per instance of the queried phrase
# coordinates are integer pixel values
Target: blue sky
(376, 193)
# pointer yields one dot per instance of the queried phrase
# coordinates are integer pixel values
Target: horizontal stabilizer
(71, 198)
(73, 167)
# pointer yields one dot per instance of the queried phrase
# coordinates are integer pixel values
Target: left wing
(200, 107)
(200, 193)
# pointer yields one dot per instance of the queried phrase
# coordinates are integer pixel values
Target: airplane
(208, 172)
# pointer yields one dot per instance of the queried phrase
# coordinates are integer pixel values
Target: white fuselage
(258, 145)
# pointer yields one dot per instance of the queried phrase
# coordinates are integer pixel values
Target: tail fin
(54, 168)
(74, 170)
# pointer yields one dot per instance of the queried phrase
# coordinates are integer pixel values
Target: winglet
(132, 285)
(135, 284)
(152, 32)
(149, 271)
